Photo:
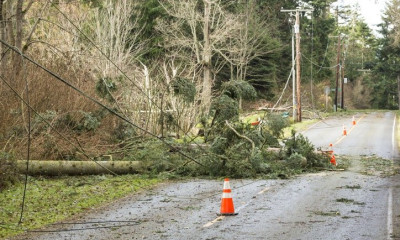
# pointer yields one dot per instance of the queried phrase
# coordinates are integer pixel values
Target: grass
(378, 166)
(353, 187)
(298, 127)
(349, 201)
(50, 200)
(327, 214)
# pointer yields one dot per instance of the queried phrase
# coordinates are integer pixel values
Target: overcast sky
(371, 10)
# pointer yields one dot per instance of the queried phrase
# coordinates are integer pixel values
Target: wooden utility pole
(342, 79)
(298, 80)
(298, 55)
(293, 78)
(337, 74)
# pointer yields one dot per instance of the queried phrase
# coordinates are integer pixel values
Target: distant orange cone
(256, 122)
(227, 208)
(344, 131)
(354, 121)
(330, 151)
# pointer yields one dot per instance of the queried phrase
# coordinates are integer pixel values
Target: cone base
(227, 214)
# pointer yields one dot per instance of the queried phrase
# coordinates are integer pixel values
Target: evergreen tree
(386, 72)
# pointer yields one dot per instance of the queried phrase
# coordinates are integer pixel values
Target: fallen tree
(60, 167)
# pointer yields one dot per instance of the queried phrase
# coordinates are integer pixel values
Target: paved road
(373, 134)
(327, 205)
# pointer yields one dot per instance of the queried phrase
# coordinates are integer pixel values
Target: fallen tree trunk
(61, 167)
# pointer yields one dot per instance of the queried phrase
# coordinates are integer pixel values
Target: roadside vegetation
(188, 89)
(51, 200)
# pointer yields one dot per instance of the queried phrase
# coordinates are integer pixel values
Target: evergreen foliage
(239, 90)
(299, 146)
(8, 173)
(384, 81)
(105, 87)
(224, 108)
(185, 88)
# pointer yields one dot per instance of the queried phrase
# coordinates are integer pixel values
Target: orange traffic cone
(256, 122)
(330, 151)
(333, 160)
(227, 208)
(344, 131)
(354, 121)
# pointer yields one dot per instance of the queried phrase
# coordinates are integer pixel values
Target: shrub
(184, 88)
(239, 89)
(225, 108)
(104, 88)
(300, 145)
(276, 123)
(8, 170)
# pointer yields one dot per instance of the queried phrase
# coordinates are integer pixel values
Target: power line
(326, 53)
(315, 64)
(29, 138)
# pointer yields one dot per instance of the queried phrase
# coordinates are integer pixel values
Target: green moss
(327, 214)
(349, 201)
(298, 127)
(49, 200)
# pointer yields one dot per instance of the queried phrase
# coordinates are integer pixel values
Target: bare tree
(245, 43)
(116, 31)
(192, 35)
(12, 16)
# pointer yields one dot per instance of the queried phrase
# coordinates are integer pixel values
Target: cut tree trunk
(61, 167)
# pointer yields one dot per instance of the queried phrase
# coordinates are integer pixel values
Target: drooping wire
(326, 53)
(113, 112)
(28, 154)
(283, 91)
(320, 66)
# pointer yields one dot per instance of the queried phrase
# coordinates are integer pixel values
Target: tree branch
(253, 146)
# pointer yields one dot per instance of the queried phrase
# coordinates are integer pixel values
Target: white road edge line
(390, 195)
(213, 221)
(393, 134)
(264, 190)
(315, 124)
(390, 214)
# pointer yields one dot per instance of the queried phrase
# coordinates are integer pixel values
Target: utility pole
(298, 80)
(342, 79)
(337, 75)
(345, 45)
(297, 86)
(294, 78)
